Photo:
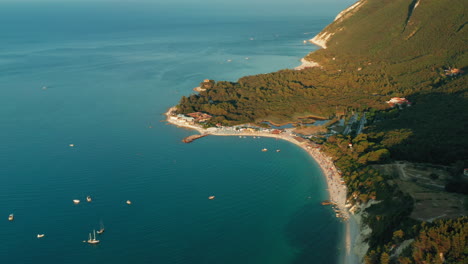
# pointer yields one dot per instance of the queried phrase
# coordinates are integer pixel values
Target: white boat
(40, 235)
(129, 202)
(11, 217)
(71, 145)
(101, 229)
(264, 150)
(211, 197)
(76, 201)
(93, 240)
(88, 199)
(278, 150)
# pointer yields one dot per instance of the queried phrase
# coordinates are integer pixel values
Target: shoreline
(336, 188)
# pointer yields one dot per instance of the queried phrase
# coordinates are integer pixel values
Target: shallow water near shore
(103, 86)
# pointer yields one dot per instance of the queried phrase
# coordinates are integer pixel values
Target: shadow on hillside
(438, 122)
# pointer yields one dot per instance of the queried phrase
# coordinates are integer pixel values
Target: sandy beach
(336, 188)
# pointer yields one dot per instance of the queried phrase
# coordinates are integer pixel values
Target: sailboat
(101, 230)
(93, 240)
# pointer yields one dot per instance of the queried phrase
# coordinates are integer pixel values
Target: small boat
(40, 235)
(11, 217)
(92, 240)
(211, 197)
(278, 150)
(76, 201)
(129, 202)
(264, 150)
(88, 199)
(101, 230)
(71, 145)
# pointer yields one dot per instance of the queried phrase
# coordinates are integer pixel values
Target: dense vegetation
(389, 218)
(445, 241)
(351, 156)
(385, 51)
(387, 48)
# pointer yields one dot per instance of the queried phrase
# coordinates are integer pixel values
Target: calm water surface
(102, 83)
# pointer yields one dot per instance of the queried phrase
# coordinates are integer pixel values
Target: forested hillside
(380, 49)
(384, 49)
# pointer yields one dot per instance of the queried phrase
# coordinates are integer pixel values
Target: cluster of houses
(200, 117)
(187, 120)
(453, 72)
(398, 101)
(192, 118)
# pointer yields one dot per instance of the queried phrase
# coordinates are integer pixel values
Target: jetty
(193, 137)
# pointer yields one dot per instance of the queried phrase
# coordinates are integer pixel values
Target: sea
(83, 89)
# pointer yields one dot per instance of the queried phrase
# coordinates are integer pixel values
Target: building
(398, 101)
(453, 72)
(185, 119)
(200, 117)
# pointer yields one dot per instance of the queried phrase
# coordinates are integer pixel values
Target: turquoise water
(108, 75)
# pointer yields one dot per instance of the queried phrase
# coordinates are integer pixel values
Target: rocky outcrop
(323, 37)
(307, 64)
(349, 11)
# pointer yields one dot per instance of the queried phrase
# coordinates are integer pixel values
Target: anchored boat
(93, 240)
(101, 229)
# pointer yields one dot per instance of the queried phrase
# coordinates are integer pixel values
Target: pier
(193, 137)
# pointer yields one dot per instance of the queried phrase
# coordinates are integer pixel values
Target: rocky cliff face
(323, 37)
(398, 31)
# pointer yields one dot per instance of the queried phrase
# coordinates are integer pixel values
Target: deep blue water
(109, 75)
